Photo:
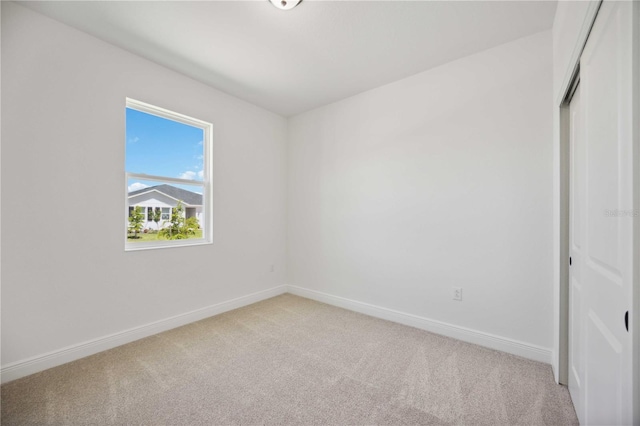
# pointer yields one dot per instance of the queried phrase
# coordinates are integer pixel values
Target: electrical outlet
(457, 293)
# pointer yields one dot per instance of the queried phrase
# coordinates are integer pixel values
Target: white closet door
(602, 261)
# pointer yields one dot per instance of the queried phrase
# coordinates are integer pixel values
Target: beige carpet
(290, 360)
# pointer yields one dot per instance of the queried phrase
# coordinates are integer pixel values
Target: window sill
(151, 245)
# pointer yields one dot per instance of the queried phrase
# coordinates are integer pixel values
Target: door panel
(602, 178)
(604, 396)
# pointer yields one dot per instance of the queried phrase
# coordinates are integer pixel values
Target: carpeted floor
(290, 360)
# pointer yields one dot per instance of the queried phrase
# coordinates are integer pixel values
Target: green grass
(154, 237)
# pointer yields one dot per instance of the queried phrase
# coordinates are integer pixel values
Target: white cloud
(191, 175)
(134, 140)
(136, 186)
(187, 175)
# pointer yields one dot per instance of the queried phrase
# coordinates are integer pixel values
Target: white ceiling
(321, 51)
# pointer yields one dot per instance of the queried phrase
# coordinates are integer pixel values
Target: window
(167, 171)
(132, 208)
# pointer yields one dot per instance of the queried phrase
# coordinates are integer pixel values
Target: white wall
(394, 196)
(65, 282)
(442, 179)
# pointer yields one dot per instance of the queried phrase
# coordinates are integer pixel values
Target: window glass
(167, 173)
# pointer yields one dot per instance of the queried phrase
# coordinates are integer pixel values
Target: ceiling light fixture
(285, 4)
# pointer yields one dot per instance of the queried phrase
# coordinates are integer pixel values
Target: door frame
(561, 227)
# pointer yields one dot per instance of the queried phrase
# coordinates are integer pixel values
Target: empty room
(320, 212)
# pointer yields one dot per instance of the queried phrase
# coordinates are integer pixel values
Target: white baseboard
(42, 362)
(38, 363)
(503, 344)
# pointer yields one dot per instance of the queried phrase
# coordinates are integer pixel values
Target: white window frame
(204, 184)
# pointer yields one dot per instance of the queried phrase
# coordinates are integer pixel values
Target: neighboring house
(165, 197)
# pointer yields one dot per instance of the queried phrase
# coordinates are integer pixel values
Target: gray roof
(187, 197)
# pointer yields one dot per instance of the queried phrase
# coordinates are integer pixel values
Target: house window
(141, 211)
(168, 177)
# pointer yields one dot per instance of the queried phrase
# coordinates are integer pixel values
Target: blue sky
(161, 147)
